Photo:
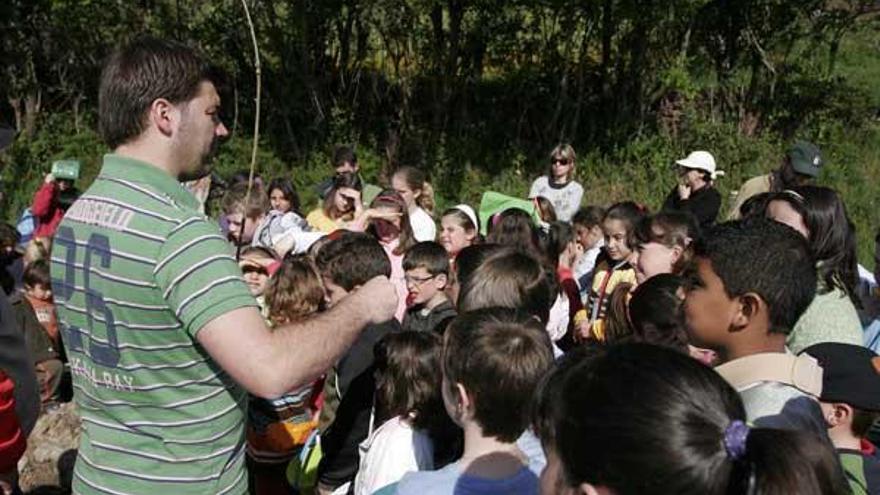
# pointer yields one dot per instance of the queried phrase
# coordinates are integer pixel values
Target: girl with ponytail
(412, 184)
(639, 418)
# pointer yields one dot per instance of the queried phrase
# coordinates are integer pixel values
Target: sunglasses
(259, 270)
(562, 161)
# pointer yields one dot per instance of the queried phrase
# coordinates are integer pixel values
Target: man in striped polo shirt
(163, 336)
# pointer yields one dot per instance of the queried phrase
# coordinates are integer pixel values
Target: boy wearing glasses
(559, 185)
(426, 266)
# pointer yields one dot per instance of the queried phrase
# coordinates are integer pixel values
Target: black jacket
(703, 204)
(16, 361)
(435, 321)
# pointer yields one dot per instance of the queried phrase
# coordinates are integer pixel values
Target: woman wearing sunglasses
(558, 185)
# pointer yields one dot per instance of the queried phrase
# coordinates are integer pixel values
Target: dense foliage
(478, 92)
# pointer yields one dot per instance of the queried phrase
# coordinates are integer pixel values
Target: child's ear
(463, 401)
(442, 281)
(749, 307)
(839, 414)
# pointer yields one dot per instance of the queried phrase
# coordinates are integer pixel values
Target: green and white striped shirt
(137, 271)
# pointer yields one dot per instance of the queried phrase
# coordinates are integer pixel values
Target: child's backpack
(26, 226)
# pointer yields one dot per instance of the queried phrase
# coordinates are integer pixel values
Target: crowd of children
(541, 345)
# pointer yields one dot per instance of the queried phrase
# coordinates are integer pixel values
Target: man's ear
(749, 307)
(164, 116)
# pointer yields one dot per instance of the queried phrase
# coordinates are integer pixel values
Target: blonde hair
(294, 291)
(563, 150)
(37, 249)
(417, 180)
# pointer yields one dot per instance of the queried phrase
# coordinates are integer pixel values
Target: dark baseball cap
(805, 158)
(851, 374)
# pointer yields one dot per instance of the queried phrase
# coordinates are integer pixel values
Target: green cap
(494, 202)
(805, 157)
(66, 169)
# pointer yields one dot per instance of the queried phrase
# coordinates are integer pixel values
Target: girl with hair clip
(558, 185)
(820, 216)
(613, 267)
(413, 186)
(409, 409)
(679, 429)
(340, 207)
(459, 228)
(278, 428)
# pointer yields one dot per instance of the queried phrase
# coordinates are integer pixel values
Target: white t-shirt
(393, 450)
(422, 224)
(566, 199)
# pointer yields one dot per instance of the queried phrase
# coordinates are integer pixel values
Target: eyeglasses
(562, 161)
(417, 281)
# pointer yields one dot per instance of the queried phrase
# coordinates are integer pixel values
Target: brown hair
(509, 279)
(417, 180)
(37, 273)
(671, 229)
(466, 223)
(390, 198)
(545, 209)
(429, 255)
(236, 200)
(352, 259)
(862, 421)
(617, 326)
(294, 291)
(409, 376)
(329, 205)
(499, 355)
(138, 74)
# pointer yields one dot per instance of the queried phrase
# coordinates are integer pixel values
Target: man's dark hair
(765, 257)
(499, 355)
(37, 273)
(343, 154)
(429, 255)
(136, 75)
(353, 259)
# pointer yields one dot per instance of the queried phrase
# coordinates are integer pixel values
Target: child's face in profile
(708, 310)
(654, 258)
(39, 292)
(422, 286)
(615, 239)
(588, 237)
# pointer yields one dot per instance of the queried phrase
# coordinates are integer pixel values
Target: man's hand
(50, 178)
(377, 299)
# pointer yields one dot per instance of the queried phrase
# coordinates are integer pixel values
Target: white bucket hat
(701, 160)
